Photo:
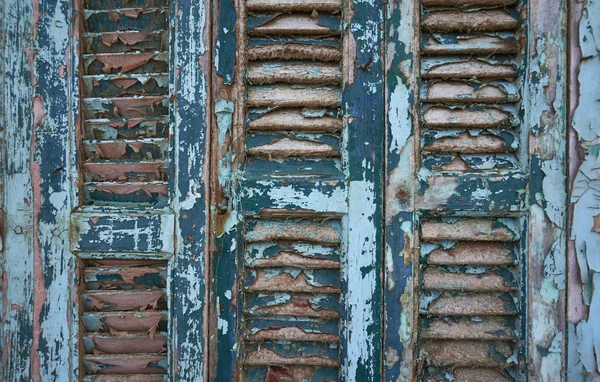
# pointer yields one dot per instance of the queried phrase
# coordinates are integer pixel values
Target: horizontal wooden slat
(111, 301)
(480, 21)
(467, 70)
(293, 230)
(295, 120)
(487, 282)
(283, 148)
(469, 229)
(465, 143)
(291, 333)
(480, 374)
(125, 107)
(139, 149)
(143, 192)
(139, 19)
(293, 96)
(467, 3)
(472, 253)
(266, 357)
(439, 117)
(294, 5)
(295, 24)
(267, 281)
(294, 51)
(126, 364)
(123, 321)
(113, 4)
(124, 41)
(472, 305)
(125, 85)
(124, 343)
(463, 92)
(473, 46)
(467, 328)
(298, 305)
(126, 378)
(125, 171)
(126, 128)
(126, 62)
(294, 73)
(119, 277)
(294, 259)
(467, 353)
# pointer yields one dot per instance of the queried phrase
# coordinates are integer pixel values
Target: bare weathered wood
(293, 96)
(294, 5)
(296, 24)
(583, 342)
(469, 230)
(486, 328)
(546, 241)
(481, 21)
(468, 353)
(294, 73)
(480, 304)
(467, 69)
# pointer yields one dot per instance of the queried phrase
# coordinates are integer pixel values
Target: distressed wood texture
(298, 128)
(123, 151)
(190, 274)
(140, 145)
(546, 117)
(3, 66)
(584, 255)
(37, 312)
(475, 191)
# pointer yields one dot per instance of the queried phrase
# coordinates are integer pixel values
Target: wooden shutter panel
(474, 193)
(124, 150)
(298, 151)
(140, 145)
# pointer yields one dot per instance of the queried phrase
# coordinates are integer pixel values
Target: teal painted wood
(400, 262)
(363, 153)
(583, 277)
(546, 118)
(17, 320)
(190, 273)
(36, 323)
(282, 193)
(445, 186)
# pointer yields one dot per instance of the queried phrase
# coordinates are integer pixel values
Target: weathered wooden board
(584, 257)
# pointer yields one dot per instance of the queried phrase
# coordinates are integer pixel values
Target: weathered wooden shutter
(297, 188)
(283, 190)
(138, 228)
(475, 191)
